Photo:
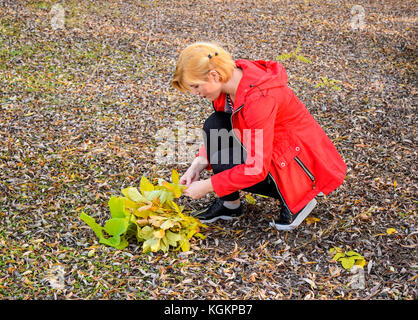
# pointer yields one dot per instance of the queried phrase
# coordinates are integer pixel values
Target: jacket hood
(257, 75)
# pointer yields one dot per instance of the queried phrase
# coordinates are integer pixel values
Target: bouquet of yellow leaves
(150, 215)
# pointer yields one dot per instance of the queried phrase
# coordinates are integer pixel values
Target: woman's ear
(214, 75)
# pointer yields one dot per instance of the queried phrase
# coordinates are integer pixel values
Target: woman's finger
(190, 180)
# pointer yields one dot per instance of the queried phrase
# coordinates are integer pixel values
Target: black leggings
(228, 152)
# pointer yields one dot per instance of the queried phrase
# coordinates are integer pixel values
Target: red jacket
(291, 147)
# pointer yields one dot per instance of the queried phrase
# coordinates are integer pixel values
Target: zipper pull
(313, 185)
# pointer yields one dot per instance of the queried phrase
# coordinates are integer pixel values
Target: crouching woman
(260, 138)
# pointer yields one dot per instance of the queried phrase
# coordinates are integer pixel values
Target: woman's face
(210, 89)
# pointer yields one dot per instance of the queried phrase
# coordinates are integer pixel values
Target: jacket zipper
(308, 173)
(269, 174)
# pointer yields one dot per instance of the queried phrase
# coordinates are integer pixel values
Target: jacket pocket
(306, 170)
(283, 160)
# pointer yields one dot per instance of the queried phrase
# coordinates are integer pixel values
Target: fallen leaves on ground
(80, 109)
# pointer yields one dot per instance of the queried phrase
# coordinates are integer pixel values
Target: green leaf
(146, 233)
(353, 254)
(133, 194)
(164, 246)
(303, 59)
(200, 235)
(91, 222)
(261, 195)
(132, 229)
(145, 185)
(170, 197)
(117, 207)
(155, 245)
(339, 255)
(347, 262)
(116, 226)
(163, 196)
(172, 238)
(185, 245)
(151, 195)
(123, 244)
(117, 242)
(191, 233)
(152, 244)
(112, 241)
(284, 56)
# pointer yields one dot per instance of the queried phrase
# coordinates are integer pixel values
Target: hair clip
(210, 56)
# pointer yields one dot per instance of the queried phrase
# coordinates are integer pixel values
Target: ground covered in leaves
(81, 112)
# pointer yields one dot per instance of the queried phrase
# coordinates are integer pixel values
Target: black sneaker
(217, 211)
(288, 221)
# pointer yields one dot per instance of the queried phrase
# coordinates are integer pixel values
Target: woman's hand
(193, 173)
(198, 189)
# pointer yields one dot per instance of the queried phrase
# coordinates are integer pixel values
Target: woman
(282, 151)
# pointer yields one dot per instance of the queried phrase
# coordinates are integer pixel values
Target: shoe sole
(301, 216)
(227, 218)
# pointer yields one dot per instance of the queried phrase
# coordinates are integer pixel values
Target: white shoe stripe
(227, 218)
(301, 216)
(305, 212)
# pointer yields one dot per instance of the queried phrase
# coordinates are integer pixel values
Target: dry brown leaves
(80, 107)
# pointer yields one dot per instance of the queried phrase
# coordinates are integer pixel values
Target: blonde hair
(195, 62)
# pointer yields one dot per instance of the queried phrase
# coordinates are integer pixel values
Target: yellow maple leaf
(159, 234)
(145, 185)
(249, 199)
(390, 231)
(360, 262)
(175, 178)
(310, 220)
